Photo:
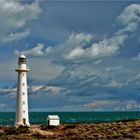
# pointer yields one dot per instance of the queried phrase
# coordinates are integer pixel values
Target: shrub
(38, 136)
(23, 129)
(16, 131)
(70, 126)
(11, 131)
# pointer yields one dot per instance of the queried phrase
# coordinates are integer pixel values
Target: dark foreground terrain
(115, 130)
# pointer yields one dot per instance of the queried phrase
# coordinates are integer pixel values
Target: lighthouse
(22, 117)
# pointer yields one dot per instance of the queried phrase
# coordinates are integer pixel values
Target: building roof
(22, 55)
(53, 117)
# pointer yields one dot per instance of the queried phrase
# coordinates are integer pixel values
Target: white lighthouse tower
(22, 117)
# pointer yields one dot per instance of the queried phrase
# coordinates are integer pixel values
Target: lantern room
(22, 59)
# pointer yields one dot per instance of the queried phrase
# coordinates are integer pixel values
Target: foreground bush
(16, 131)
(69, 126)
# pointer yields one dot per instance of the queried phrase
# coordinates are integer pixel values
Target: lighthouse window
(23, 84)
(23, 75)
(23, 103)
(23, 93)
(23, 111)
(22, 60)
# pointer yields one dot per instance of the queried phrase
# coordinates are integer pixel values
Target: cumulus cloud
(14, 16)
(130, 18)
(108, 69)
(16, 36)
(7, 90)
(45, 89)
(104, 48)
(99, 103)
(75, 53)
(75, 44)
(74, 49)
(113, 105)
(114, 84)
(81, 47)
(36, 51)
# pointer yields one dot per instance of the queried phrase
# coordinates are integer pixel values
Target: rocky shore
(113, 130)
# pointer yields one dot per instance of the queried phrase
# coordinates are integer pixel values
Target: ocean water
(8, 118)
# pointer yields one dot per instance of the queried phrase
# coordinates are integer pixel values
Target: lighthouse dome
(22, 56)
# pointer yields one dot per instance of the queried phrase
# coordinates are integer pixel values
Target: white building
(22, 117)
(53, 120)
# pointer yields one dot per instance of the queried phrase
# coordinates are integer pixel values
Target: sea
(8, 118)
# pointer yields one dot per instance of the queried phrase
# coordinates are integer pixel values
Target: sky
(83, 55)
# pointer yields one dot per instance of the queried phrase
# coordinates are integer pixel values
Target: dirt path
(37, 130)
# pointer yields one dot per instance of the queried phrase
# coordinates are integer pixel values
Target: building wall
(53, 122)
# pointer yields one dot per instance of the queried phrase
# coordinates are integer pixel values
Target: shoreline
(126, 129)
